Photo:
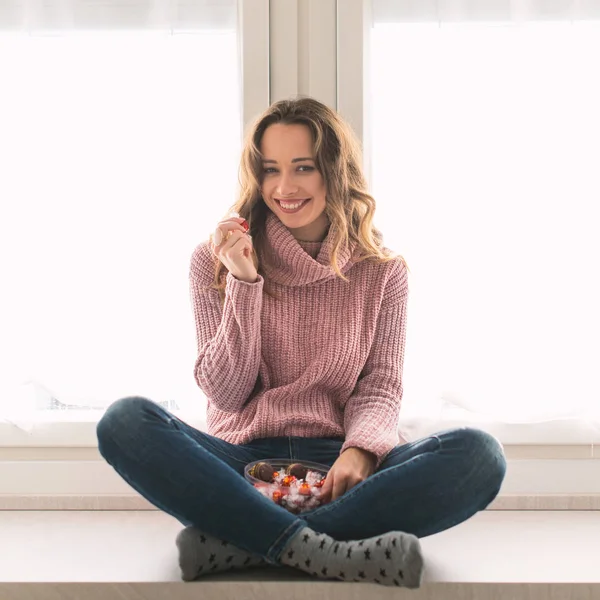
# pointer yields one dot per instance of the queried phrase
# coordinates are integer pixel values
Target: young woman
(300, 318)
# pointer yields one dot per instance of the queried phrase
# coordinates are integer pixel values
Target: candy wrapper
(294, 486)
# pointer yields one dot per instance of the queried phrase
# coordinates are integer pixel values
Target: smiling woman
(321, 356)
(295, 186)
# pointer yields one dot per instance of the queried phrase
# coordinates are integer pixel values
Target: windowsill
(492, 555)
(80, 479)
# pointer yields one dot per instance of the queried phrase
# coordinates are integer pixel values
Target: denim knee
(488, 451)
(121, 415)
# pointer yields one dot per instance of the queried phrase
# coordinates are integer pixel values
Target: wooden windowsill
(132, 555)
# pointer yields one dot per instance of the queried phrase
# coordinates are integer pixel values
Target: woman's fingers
(218, 236)
(233, 241)
(224, 228)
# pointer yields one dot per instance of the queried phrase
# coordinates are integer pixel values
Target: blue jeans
(422, 487)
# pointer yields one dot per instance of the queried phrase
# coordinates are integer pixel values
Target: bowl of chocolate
(295, 486)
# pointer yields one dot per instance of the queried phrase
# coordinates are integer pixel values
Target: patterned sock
(200, 554)
(392, 559)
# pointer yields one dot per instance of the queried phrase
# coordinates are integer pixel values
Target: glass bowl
(293, 485)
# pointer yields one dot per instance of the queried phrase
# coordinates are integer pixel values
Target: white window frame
(288, 47)
(253, 48)
(303, 49)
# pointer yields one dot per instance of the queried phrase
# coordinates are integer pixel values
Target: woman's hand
(353, 466)
(232, 244)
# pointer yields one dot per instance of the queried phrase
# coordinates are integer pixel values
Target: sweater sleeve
(372, 412)
(229, 339)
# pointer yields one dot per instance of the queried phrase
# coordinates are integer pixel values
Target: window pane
(485, 169)
(119, 154)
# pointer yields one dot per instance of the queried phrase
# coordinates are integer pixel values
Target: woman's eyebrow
(294, 160)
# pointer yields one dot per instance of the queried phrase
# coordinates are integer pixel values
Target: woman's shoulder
(386, 268)
(390, 277)
(396, 280)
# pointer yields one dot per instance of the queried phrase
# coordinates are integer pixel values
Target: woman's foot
(392, 559)
(201, 554)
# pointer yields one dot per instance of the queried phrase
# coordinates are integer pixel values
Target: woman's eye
(307, 168)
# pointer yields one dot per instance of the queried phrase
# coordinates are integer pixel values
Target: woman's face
(290, 173)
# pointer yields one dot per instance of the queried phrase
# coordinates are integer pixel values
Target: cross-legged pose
(300, 314)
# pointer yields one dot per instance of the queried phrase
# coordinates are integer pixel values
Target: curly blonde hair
(338, 159)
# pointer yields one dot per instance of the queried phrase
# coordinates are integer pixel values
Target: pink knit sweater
(326, 360)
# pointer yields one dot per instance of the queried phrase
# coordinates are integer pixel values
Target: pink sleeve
(372, 412)
(229, 339)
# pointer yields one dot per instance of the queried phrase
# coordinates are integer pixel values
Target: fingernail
(245, 225)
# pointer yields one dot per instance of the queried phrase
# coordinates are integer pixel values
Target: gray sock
(391, 559)
(201, 554)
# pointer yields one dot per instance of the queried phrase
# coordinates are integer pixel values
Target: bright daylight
(300, 299)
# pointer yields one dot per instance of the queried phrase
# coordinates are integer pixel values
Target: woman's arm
(228, 338)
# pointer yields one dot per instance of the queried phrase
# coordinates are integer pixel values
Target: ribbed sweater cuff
(240, 291)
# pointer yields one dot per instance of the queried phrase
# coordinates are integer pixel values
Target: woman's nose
(286, 186)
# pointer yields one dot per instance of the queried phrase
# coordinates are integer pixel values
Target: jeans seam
(239, 460)
(214, 449)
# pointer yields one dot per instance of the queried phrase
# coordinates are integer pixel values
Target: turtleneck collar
(288, 263)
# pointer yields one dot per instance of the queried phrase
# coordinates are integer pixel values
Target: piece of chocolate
(298, 470)
(263, 471)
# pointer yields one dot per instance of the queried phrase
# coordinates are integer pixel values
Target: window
(482, 127)
(121, 133)
(488, 193)
(111, 120)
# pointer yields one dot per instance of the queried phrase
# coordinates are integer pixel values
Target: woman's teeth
(291, 206)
